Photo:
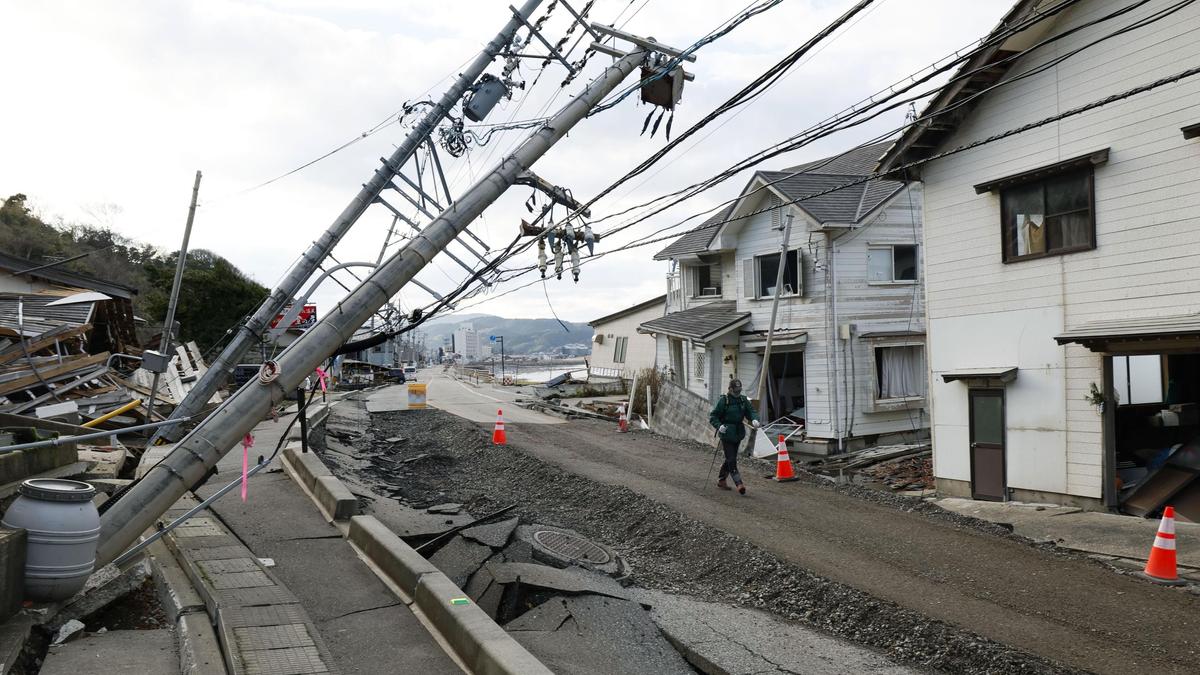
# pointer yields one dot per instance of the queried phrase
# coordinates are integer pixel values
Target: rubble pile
(911, 473)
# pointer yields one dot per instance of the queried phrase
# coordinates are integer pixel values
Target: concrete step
(115, 651)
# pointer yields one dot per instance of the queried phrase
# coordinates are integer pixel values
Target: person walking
(727, 417)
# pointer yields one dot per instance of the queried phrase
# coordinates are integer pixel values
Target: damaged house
(847, 360)
(1064, 339)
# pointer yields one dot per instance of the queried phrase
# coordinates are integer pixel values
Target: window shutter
(749, 278)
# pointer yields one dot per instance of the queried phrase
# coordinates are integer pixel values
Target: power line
(1172, 79)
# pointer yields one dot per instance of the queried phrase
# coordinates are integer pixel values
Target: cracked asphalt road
(1061, 607)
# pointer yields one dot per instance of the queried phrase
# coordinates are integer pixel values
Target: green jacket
(730, 411)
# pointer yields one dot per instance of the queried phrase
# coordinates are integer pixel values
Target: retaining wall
(679, 413)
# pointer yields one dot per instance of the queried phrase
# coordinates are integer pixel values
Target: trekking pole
(716, 451)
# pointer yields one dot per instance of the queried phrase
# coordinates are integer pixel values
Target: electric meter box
(155, 362)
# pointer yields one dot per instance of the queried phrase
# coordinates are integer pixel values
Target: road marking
(471, 391)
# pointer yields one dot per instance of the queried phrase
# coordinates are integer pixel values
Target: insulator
(589, 238)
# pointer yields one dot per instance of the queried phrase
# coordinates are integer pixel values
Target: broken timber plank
(57, 371)
(83, 379)
(60, 334)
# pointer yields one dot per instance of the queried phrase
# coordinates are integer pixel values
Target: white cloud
(120, 102)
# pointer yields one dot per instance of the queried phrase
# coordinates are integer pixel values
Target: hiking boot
(722, 484)
(741, 489)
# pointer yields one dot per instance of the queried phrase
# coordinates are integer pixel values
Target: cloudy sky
(112, 106)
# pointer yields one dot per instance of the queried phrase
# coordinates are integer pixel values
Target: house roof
(958, 96)
(848, 205)
(1096, 334)
(16, 265)
(660, 300)
(696, 240)
(36, 314)
(698, 323)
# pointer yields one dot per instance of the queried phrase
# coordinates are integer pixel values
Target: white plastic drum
(62, 527)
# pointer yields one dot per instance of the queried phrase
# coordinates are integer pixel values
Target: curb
(199, 651)
(334, 498)
(482, 645)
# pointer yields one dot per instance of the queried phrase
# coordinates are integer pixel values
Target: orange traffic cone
(783, 466)
(623, 421)
(498, 435)
(1161, 565)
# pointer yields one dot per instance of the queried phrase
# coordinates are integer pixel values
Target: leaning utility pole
(164, 344)
(764, 373)
(200, 450)
(250, 332)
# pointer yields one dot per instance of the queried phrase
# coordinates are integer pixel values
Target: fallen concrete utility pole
(250, 332)
(200, 450)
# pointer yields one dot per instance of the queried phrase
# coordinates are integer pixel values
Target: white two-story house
(847, 356)
(1061, 172)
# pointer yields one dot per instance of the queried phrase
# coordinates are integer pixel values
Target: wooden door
(988, 479)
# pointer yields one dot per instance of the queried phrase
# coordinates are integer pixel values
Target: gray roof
(698, 323)
(848, 205)
(58, 275)
(696, 240)
(659, 301)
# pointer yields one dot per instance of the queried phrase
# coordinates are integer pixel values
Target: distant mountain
(521, 336)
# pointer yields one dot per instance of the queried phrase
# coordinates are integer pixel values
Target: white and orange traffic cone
(1161, 565)
(498, 435)
(623, 421)
(783, 466)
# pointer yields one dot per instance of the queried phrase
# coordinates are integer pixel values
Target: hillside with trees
(213, 296)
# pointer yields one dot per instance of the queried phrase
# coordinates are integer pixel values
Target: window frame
(700, 364)
(693, 271)
(796, 292)
(892, 247)
(620, 346)
(1006, 241)
(879, 404)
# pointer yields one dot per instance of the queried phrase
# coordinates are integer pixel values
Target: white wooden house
(1060, 261)
(847, 357)
(618, 349)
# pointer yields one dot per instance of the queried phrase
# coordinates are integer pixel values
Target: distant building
(466, 342)
(618, 350)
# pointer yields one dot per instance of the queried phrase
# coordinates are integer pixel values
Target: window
(706, 280)
(1138, 379)
(1050, 216)
(899, 372)
(763, 270)
(892, 264)
(699, 364)
(619, 346)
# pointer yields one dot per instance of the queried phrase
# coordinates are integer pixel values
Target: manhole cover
(572, 547)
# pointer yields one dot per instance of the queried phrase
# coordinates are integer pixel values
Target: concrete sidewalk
(365, 628)
(1102, 534)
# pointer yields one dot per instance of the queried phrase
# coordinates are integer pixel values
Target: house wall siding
(868, 306)
(984, 313)
(641, 351)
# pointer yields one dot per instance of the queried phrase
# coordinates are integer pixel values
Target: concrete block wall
(679, 413)
(12, 572)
